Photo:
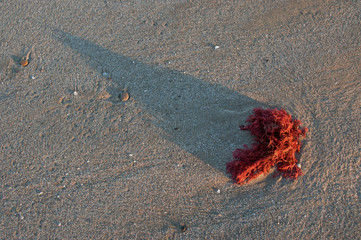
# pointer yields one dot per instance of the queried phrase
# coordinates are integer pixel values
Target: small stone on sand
(124, 96)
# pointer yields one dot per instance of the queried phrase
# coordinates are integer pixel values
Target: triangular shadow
(200, 117)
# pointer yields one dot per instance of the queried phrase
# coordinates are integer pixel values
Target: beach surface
(76, 162)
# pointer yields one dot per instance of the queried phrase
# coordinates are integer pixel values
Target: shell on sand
(24, 62)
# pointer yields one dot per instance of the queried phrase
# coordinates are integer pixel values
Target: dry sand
(92, 167)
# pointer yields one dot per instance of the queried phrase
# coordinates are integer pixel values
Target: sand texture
(90, 166)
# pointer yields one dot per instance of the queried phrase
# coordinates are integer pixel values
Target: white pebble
(75, 93)
(219, 191)
(216, 47)
(299, 165)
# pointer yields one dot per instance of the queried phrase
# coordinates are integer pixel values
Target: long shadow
(201, 118)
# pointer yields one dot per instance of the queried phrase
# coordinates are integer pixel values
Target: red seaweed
(276, 137)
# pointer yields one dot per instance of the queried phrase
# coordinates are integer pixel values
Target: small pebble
(216, 47)
(32, 77)
(183, 228)
(219, 191)
(75, 93)
(124, 96)
(299, 165)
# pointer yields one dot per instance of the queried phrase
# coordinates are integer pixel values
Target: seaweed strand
(276, 137)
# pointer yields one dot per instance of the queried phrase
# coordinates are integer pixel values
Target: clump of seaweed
(276, 137)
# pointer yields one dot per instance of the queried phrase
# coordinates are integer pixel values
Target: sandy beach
(76, 162)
